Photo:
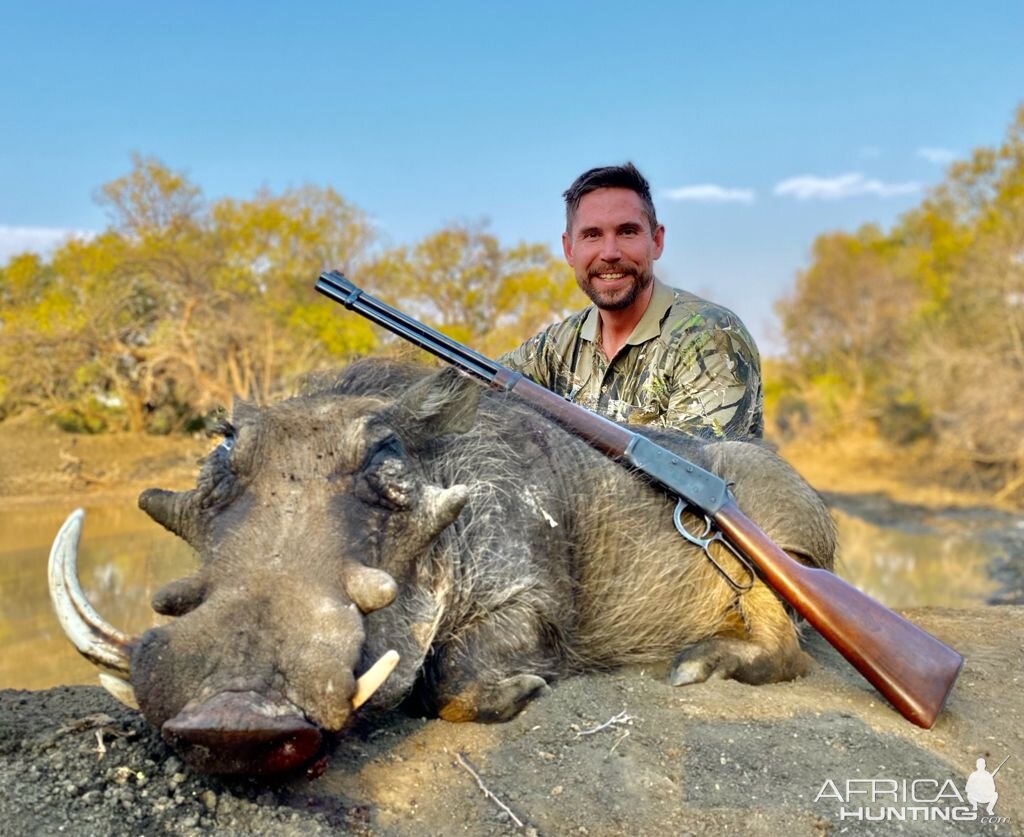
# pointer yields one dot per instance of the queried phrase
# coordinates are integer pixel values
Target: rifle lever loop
(704, 542)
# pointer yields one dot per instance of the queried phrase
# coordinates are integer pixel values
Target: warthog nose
(242, 732)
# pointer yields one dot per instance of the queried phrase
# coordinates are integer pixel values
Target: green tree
(181, 305)
(921, 328)
(462, 281)
(178, 306)
(849, 316)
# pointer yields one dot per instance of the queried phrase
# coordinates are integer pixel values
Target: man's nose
(610, 249)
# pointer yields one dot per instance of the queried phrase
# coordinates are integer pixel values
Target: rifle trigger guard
(704, 540)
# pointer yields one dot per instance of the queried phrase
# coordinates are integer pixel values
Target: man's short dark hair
(615, 177)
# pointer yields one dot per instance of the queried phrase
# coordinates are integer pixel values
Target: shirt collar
(649, 326)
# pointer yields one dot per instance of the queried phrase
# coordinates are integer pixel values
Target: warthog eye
(227, 430)
(384, 473)
(217, 480)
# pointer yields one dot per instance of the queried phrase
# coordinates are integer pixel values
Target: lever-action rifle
(910, 667)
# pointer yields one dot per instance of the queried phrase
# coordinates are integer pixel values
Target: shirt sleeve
(717, 390)
(528, 359)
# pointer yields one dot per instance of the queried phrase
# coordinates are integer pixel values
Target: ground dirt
(601, 754)
(715, 758)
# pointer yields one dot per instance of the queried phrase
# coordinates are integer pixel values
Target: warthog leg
(767, 651)
(493, 668)
(493, 702)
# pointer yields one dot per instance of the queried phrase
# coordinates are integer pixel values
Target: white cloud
(809, 187)
(939, 156)
(14, 240)
(710, 193)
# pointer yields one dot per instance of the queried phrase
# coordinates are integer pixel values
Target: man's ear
(567, 248)
(659, 241)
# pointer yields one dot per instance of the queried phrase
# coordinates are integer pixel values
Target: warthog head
(309, 515)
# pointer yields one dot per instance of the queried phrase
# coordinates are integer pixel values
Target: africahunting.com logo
(910, 800)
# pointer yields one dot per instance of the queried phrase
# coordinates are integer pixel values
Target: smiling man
(642, 353)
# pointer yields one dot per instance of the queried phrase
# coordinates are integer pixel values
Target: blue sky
(759, 125)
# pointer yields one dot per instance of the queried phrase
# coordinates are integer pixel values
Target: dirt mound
(618, 753)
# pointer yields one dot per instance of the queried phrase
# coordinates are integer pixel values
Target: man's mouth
(611, 276)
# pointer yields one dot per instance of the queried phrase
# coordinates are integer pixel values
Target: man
(643, 353)
(981, 786)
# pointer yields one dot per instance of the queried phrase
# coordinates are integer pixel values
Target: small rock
(209, 800)
(93, 797)
(171, 766)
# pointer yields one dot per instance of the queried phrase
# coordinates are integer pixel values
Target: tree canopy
(919, 331)
(181, 305)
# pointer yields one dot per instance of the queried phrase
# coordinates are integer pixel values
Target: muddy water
(913, 567)
(123, 559)
(903, 556)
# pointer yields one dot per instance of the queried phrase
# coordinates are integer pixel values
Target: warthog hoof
(493, 702)
(718, 659)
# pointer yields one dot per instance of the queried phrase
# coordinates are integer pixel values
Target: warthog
(409, 511)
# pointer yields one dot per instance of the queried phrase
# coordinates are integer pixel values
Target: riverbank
(39, 462)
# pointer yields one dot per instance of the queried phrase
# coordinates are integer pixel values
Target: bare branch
(621, 718)
(480, 783)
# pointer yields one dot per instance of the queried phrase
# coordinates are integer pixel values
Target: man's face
(612, 248)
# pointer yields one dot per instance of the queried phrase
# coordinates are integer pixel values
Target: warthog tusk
(120, 689)
(96, 640)
(374, 677)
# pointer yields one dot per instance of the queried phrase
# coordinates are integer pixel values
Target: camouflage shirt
(689, 364)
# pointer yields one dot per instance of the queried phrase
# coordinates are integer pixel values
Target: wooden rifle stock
(911, 668)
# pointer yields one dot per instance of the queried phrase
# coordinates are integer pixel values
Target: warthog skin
(518, 555)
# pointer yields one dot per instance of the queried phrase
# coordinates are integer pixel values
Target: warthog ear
(442, 403)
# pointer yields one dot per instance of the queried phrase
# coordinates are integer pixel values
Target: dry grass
(864, 464)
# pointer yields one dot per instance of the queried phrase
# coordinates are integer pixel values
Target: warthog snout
(242, 732)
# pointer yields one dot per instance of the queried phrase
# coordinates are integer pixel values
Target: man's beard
(640, 283)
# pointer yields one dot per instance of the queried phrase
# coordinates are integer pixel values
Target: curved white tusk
(120, 689)
(97, 641)
(373, 677)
